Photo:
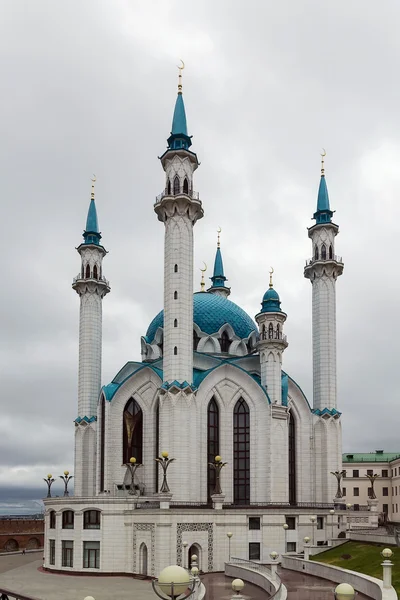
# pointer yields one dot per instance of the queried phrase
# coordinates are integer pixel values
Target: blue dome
(271, 301)
(211, 311)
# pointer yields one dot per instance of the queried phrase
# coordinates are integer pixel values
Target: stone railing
(259, 575)
(8, 595)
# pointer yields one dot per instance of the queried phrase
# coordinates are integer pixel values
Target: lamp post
(274, 567)
(338, 475)
(372, 479)
(174, 582)
(229, 535)
(285, 528)
(332, 512)
(164, 461)
(132, 466)
(49, 482)
(66, 479)
(387, 567)
(184, 546)
(348, 507)
(313, 520)
(344, 591)
(217, 465)
(237, 586)
(306, 548)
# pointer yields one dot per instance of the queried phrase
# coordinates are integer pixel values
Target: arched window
(330, 252)
(169, 188)
(185, 186)
(52, 519)
(292, 459)
(87, 272)
(175, 322)
(175, 268)
(263, 332)
(102, 440)
(83, 272)
(95, 272)
(175, 350)
(316, 253)
(132, 432)
(177, 185)
(68, 519)
(323, 252)
(278, 332)
(196, 339)
(241, 453)
(91, 519)
(224, 342)
(175, 295)
(270, 331)
(212, 443)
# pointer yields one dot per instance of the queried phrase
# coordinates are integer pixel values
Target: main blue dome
(210, 312)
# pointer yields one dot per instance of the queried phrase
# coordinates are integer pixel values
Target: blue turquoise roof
(271, 301)
(91, 233)
(218, 279)
(210, 312)
(324, 213)
(179, 137)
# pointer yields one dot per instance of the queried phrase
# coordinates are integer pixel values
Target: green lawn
(365, 558)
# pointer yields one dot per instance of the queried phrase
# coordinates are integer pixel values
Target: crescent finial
(93, 180)
(180, 67)
(270, 277)
(323, 154)
(218, 239)
(205, 267)
(202, 283)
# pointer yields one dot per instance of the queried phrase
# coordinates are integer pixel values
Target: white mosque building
(210, 383)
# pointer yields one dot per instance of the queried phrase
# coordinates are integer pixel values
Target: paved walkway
(307, 587)
(219, 587)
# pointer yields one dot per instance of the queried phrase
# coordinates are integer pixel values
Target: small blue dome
(271, 301)
(210, 312)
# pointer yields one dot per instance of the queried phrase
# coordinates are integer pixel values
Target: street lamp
(173, 582)
(229, 535)
(164, 461)
(217, 465)
(313, 520)
(132, 466)
(332, 512)
(49, 482)
(274, 567)
(285, 528)
(306, 548)
(344, 591)
(237, 586)
(184, 546)
(66, 479)
(387, 565)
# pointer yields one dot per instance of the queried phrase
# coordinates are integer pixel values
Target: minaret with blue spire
(91, 287)
(218, 279)
(322, 270)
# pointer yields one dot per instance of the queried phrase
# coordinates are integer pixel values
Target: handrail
(335, 257)
(192, 194)
(9, 595)
(79, 277)
(264, 571)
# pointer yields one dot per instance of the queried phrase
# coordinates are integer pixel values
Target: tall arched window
(177, 185)
(330, 252)
(323, 252)
(224, 342)
(175, 268)
(316, 253)
(175, 350)
(212, 443)
(169, 188)
(270, 331)
(175, 322)
(95, 272)
(263, 332)
(278, 332)
(175, 295)
(241, 453)
(87, 271)
(185, 186)
(292, 459)
(133, 432)
(102, 440)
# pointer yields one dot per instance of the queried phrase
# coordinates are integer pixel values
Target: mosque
(210, 383)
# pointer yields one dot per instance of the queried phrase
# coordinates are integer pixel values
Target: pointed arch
(185, 186)
(177, 185)
(169, 187)
(292, 458)
(87, 271)
(175, 295)
(263, 332)
(212, 443)
(241, 452)
(224, 341)
(143, 559)
(270, 331)
(323, 252)
(175, 350)
(316, 253)
(330, 252)
(95, 272)
(175, 322)
(175, 268)
(132, 431)
(278, 332)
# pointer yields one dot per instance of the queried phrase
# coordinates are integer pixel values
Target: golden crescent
(323, 152)
(205, 267)
(93, 178)
(183, 65)
(219, 230)
(271, 271)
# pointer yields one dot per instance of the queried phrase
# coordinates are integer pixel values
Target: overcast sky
(89, 87)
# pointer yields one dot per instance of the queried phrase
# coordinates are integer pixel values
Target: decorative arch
(270, 331)
(177, 185)
(87, 271)
(323, 252)
(316, 253)
(169, 188)
(224, 341)
(241, 452)
(33, 544)
(195, 550)
(330, 252)
(185, 186)
(292, 458)
(132, 431)
(212, 443)
(11, 545)
(143, 559)
(95, 276)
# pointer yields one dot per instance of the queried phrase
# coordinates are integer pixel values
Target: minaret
(272, 342)
(322, 270)
(91, 287)
(178, 207)
(218, 279)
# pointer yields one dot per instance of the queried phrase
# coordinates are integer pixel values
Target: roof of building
(271, 301)
(210, 313)
(324, 213)
(92, 234)
(218, 279)
(377, 456)
(179, 125)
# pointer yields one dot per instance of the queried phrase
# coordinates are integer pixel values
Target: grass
(365, 558)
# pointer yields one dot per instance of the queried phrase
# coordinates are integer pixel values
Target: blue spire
(91, 234)
(179, 137)
(218, 279)
(324, 213)
(271, 301)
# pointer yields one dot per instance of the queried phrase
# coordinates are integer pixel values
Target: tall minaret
(218, 279)
(322, 270)
(178, 207)
(91, 287)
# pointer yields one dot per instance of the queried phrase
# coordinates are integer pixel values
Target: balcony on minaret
(273, 334)
(333, 257)
(192, 194)
(81, 277)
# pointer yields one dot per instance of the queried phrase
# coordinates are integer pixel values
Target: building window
(91, 555)
(292, 459)
(68, 519)
(278, 332)
(175, 350)
(370, 472)
(224, 342)
(175, 322)
(102, 440)
(254, 551)
(395, 472)
(323, 252)
(291, 522)
(91, 519)
(95, 272)
(385, 491)
(270, 331)
(52, 519)
(175, 268)
(241, 453)
(330, 252)
(52, 552)
(67, 553)
(185, 186)
(356, 491)
(175, 295)
(87, 272)
(385, 473)
(344, 491)
(169, 187)
(212, 444)
(291, 547)
(385, 508)
(254, 523)
(177, 185)
(316, 253)
(132, 432)
(320, 522)
(356, 473)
